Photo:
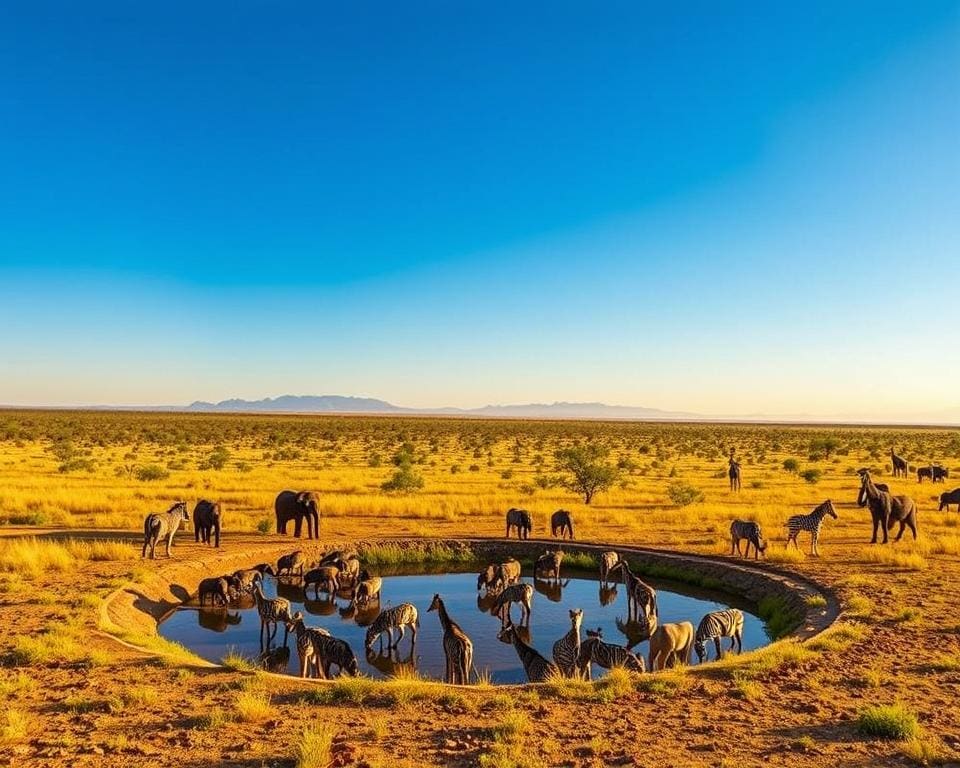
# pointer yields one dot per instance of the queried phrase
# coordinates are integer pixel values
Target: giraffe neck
(444, 617)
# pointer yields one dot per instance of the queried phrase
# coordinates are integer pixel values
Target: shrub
(894, 721)
(150, 472)
(217, 459)
(265, 526)
(811, 475)
(253, 706)
(77, 465)
(313, 749)
(683, 494)
(404, 480)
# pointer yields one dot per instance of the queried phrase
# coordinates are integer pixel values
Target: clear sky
(723, 208)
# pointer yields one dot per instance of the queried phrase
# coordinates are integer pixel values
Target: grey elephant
(298, 506)
(207, 519)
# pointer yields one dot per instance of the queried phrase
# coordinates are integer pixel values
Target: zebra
(566, 651)
(608, 561)
(290, 563)
(639, 594)
(519, 519)
(399, 617)
(330, 650)
(457, 647)
(718, 624)
(561, 524)
(548, 565)
(305, 649)
(538, 668)
(271, 611)
(749, 530)
(157, 526)
(811, 523)
(326, 575)
(734, 473)
(515, 593)
(594, 650)
(900, 466)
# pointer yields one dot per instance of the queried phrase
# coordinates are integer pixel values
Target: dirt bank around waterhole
(795, 606)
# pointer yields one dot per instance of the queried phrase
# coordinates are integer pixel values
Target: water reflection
(217, 620)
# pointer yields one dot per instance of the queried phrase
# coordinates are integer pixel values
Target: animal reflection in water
(325, 607)
(550, 588)
(389, 662)
(522, 632)
(275, 659)
(218, 620)
(607, 594)
(636, 631)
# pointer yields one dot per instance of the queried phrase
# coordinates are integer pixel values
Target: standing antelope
(457, 647)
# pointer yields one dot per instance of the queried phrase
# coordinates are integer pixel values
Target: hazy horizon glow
(685, 208)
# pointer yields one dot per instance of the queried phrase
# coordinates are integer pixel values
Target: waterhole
(212, 633)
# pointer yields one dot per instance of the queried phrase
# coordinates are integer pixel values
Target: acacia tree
(589, 471)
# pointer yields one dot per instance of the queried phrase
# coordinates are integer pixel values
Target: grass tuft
(893, 721)
(313, 749)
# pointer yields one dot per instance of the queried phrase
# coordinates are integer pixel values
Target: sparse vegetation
(893, 721)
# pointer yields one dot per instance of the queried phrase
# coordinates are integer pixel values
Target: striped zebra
(566, 651)
(538, 668)
(718, 624)
(272, 611)
(399, 617)
(457, 647)
(305, 649)
(639, 594)
(594, 650)
(515, 593)
(811, 523)
(158, 526)
(749, 530)
(330, 650)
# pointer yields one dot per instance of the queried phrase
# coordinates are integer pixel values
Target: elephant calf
(670, 644)
(207, 519)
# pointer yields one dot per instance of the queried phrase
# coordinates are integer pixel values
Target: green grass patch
(893, 721)
(780, 618)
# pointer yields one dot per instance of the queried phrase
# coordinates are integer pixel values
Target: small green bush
(150, 472)
(894, 721)
(683, 494)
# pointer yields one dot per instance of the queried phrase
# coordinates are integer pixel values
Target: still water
(212, 632)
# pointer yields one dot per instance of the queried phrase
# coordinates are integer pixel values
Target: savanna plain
(82, 687)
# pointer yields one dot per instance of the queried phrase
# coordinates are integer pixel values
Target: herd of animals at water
(670, 643)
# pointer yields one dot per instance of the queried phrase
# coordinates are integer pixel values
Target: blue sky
(723, 210)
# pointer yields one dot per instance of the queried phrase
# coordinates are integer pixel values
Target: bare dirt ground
(135, 708)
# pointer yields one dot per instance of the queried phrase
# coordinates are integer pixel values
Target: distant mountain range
(342, 404)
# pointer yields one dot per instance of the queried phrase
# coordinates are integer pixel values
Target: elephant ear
(302, 497)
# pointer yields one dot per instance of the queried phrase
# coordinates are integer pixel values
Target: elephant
(948, 498)
(670, 644)
(305, 505)
(207, 518)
